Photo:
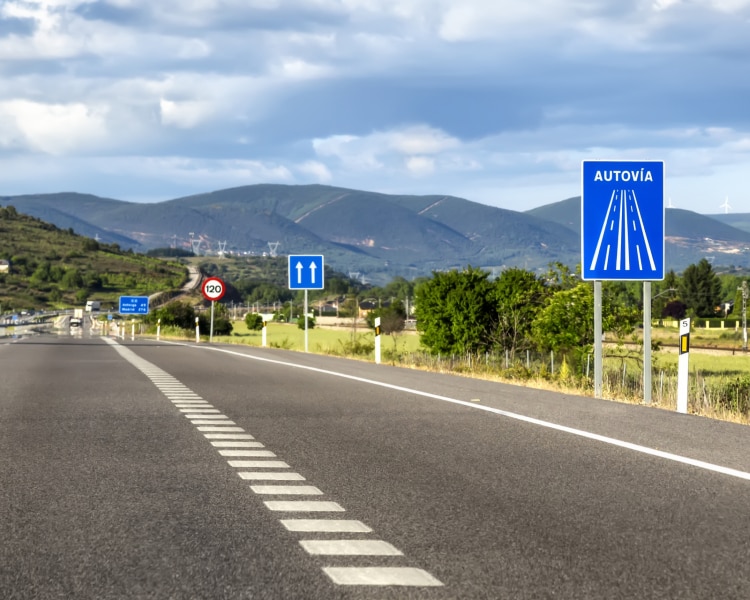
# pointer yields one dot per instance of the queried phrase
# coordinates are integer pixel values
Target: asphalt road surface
(138, 469)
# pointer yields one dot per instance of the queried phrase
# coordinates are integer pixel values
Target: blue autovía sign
(133, 305)
(622, 220)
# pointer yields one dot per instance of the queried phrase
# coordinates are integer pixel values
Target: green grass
(320, 340)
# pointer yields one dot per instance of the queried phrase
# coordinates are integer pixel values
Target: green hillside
(678, 223)
(738, 220)
(52, 267)
(381, 236)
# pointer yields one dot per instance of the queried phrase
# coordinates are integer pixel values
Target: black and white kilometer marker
(683, 367)
(377, 340)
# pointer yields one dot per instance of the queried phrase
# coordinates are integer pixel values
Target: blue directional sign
(306, 272)
(622, 220)
(133, 305)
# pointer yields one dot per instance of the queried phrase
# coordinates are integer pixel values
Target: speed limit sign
(213, 289)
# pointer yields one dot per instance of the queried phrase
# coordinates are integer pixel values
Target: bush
(357, 347)
(177, 314)
(734, 394)
(310, 323)
(254, 321)
(222, 325)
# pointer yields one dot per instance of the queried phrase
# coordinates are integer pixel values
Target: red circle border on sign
(212, 280)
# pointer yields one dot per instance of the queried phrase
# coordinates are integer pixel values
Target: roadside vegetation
(524, 327)
(49, 267)
(538, 331)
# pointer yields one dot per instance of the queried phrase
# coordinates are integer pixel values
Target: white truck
(93, 306)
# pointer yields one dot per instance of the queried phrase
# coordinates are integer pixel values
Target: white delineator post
(264, 335)
(158, 329)
(683, 367)
(132, 329)
(377, 340)
(197, 331)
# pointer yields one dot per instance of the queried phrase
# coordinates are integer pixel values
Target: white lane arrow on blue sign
(303, 272)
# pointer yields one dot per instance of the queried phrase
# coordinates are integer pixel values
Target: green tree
(392, 318)
(700, 289)
(663, 293)
(222, 323)
(176, 314)
(72, 280)
(301, 322)
(567, 321)
(519, 296)
(560, 277)
(254, 321)
(455, 312)
(42, 273)
(90, 245)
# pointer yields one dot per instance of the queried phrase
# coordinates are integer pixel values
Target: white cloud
(55, 128)
(185, 114)
(318, 170)
(420, 165)
(421, 139)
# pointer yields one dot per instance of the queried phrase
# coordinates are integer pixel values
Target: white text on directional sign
(622, 220)
(306, 272)
(133, 305)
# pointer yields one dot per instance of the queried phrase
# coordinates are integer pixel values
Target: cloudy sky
(496, 101)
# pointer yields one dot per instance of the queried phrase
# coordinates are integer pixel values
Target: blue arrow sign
(133, 305)
(622, 220)
(306, 272)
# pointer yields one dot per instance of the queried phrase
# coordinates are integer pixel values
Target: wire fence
(622, 378)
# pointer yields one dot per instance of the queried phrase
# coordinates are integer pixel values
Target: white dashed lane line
(295, 490)
(232, 442)
(270, 476)
(325, 526)
(236, 444)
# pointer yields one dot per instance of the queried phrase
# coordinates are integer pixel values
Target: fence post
(552, 362)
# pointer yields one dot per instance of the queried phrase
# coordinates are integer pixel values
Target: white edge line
(570, 430)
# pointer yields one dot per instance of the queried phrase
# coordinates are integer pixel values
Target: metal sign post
(598, 339)
(647, 342)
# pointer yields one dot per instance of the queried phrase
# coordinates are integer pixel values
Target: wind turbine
(726, 205)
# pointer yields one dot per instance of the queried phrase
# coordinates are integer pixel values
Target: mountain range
(378, 236)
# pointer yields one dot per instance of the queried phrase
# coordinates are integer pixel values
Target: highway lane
(105, 471)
